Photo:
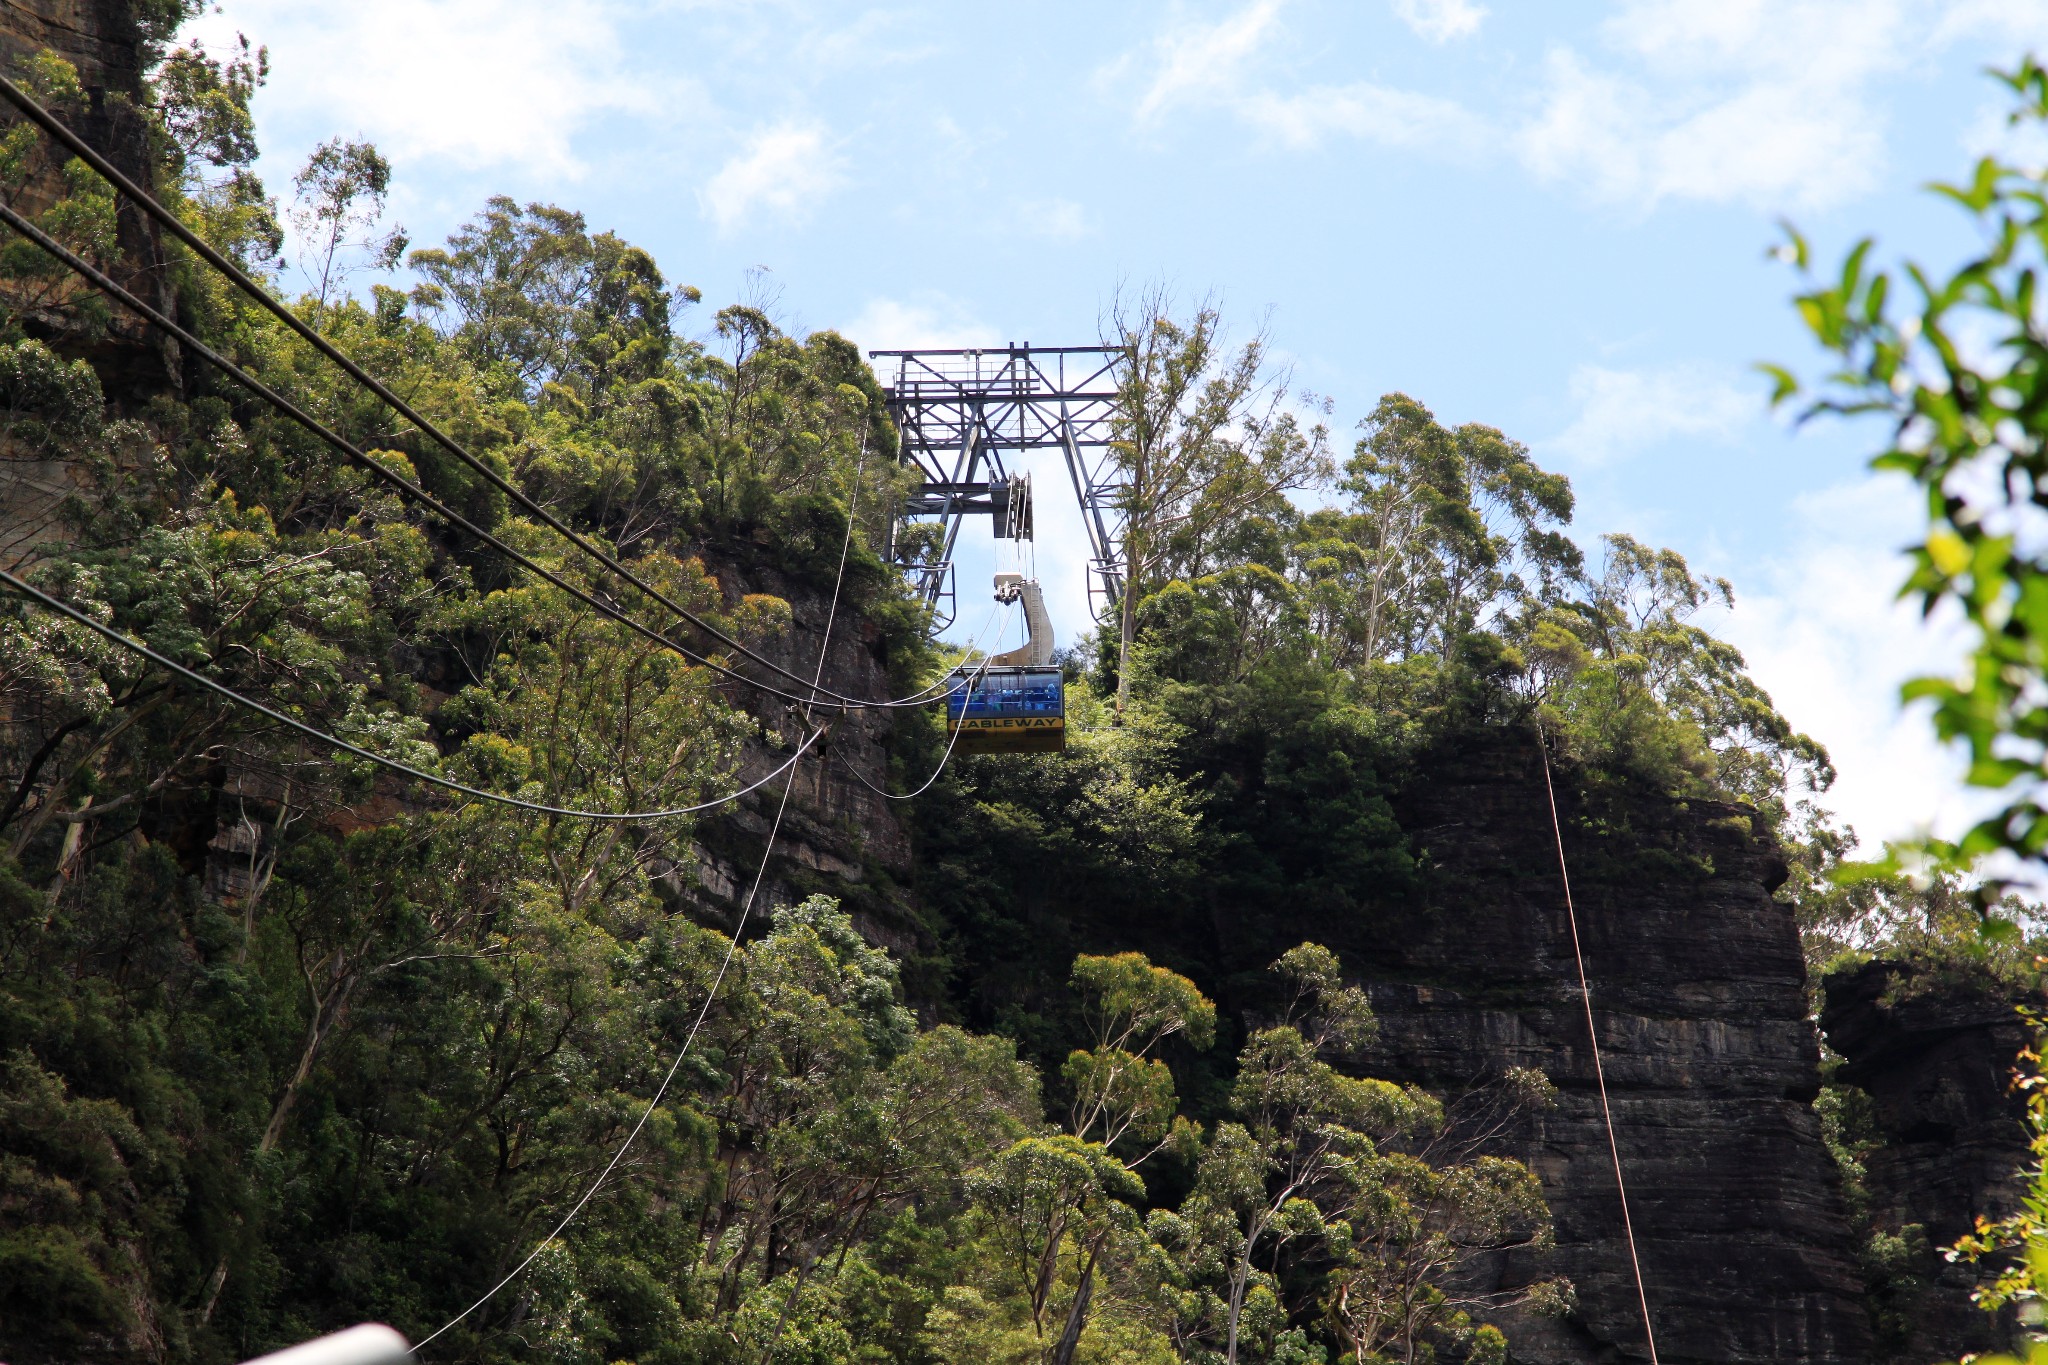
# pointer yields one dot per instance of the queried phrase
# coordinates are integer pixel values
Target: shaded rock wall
(838, 836)
(102, 39)
(1935, 1056)
(1697, 979)
(1712, 1064)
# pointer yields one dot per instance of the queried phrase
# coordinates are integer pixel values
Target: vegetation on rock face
(284, 1045)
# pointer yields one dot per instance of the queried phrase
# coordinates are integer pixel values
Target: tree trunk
(1128, 612)
(326, 1013)
(1127, 605)
(74, 839)
(1239, 1279)
(1077, 1314)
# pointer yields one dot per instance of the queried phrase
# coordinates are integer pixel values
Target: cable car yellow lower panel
(1008, 734)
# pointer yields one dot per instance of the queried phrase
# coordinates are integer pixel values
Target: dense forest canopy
(358, 1067)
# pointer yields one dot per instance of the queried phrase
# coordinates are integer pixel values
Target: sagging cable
(174, 225)
(1628, 1226)
(376, 468)
(710, 995)
(65, 609)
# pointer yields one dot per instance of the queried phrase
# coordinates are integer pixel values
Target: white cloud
(1206, 65)
(876, 39)
(1441, 20)
(1774, 103)
(1825, 634)
(1393, 118)
(1992, 132)
(2022, 23)
(936, 321)
(786, 169)
(481, 83)
(1060, 219)
(1197, 62)
(1623, 412)
(1742, 101)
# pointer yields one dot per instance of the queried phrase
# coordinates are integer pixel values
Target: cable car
(1007, 711)
(1017, 703)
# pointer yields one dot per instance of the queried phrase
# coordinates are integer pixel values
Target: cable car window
(1007, 711)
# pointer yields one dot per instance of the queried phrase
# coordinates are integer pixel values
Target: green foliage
(1967, 424)
(1203, 437)
(1444, 528)
(1634, 679)
(321, 1050)
(1120, 1089)
(206, 135)
(2019, 1241)
(341, 191)
(1924, 916)
(203, 101)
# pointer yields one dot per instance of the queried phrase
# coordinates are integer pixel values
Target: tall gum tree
(1204, 434)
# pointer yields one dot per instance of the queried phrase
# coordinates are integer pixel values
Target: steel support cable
(1593, 1036)
(404, 486)
(661, 1091)
(710, 995)
(973, 681)
(171, 223)
(65, 609)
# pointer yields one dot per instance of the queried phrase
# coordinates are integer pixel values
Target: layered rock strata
(1935, 1054)
(1699, 1001)
(838, 834)
(101, 39)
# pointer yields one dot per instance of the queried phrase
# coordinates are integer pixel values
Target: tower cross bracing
(960, 412)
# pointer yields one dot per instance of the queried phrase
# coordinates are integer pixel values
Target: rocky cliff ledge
(134, 363)
(104, 41)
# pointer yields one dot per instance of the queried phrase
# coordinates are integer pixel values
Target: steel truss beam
(959, 412)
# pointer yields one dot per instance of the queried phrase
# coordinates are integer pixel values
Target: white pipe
(370, 1344)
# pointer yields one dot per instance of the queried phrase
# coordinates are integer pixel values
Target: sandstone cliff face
(101, 39)
(1936, 1058)
(1712, 1064)
(838, 836)
(1697, 979)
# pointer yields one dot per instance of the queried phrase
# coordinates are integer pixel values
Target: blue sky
(1550, 218)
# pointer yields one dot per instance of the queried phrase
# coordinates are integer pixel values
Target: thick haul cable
(818, 695)
(65, 609)
(944, 759)
(405, 487)
(171, 223)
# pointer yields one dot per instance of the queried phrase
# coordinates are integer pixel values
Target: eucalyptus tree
(1450, 528)
(1955, 363)
(340, 192)
(1204, 434)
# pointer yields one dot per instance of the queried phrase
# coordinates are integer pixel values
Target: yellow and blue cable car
(1017, 702)
(1007, 711)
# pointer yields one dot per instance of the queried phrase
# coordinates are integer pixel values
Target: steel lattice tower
(958, 412)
